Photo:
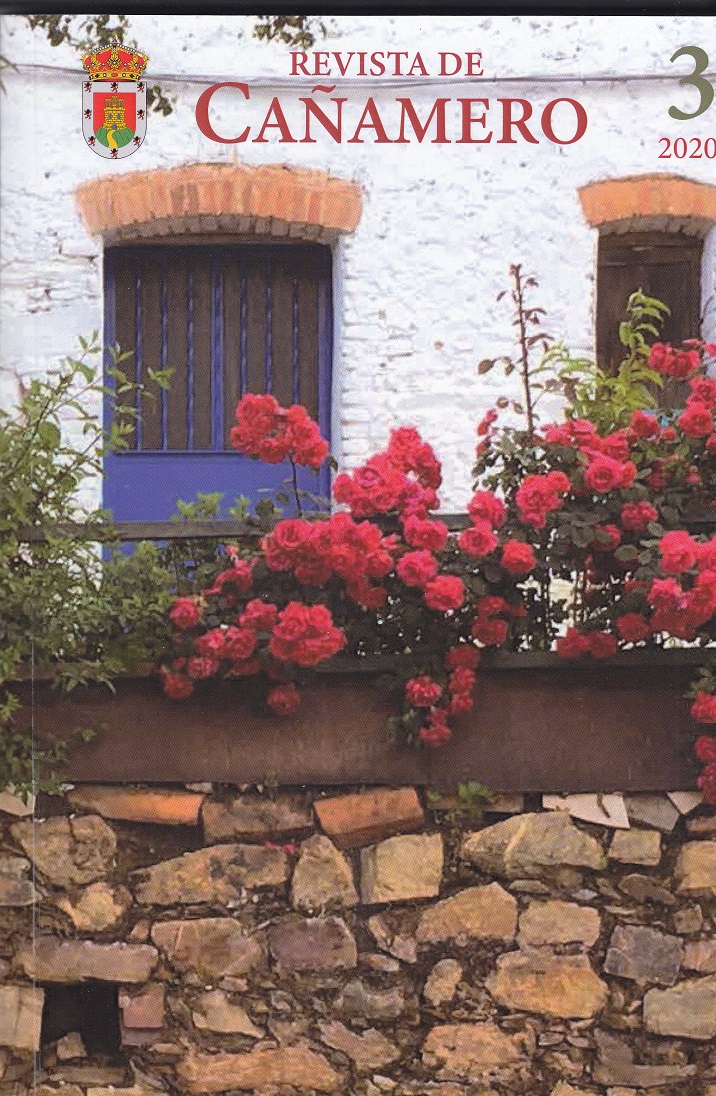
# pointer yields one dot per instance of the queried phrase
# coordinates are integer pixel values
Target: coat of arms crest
(114, 101)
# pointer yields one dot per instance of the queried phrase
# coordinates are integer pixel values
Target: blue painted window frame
(144, 484)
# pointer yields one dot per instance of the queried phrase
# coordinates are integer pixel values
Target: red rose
(425, 533)
(185, 613)
(211, 643)
(665, 593)
(201, 666)
(239, 643)
(572, 644)
(704, 389)
(478, 541)
(605, 473)
(258, 615)
(421, 692)
(462, 680)
(644, 425)
(558, 481)
(444, 593)
(176, 686)
(284, 699)
(633, 627)
(487, 507)
(417, 568)
(703, 709)
(518, 558)
(489, 632)
(697, 420)
(705, 749)
(635, 516)
(436, 732)
(660, 356)
(601, 644)
(679, 552)
(460, 703)
(462, 655)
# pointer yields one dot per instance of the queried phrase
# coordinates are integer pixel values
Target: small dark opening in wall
(91, 1008)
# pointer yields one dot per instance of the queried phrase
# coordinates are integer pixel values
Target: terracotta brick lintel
(647, 196)
(290, 195)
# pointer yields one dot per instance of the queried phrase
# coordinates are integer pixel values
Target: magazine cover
(358, 555)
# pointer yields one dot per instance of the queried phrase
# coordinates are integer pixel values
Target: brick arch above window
(240, 199)
(656, 202)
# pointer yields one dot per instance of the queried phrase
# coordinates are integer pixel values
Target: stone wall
(378, 942)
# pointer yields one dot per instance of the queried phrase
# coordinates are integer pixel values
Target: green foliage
(609, 401)
(466, 807)
(297, 31)
(65, 613)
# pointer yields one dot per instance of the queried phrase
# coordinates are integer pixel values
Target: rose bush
(576, 543)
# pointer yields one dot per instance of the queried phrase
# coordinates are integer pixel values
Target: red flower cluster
(421, 692)
(575, 644)
(284, 699)
(490, 628)
(538, 495)
(315, 550)
(185, 613)
(666, 360)
(604, 473)
(518, 558)
(635, 516)
(273, 433)
(305, 634)
(404, 477)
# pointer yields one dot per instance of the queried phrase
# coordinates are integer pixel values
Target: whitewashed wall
(416, 284)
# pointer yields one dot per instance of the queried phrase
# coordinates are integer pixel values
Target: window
(228, 319)
(666, 265)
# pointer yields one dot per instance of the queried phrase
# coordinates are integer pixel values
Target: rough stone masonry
(355, 943)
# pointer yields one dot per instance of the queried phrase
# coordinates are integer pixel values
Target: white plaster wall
(416, 284)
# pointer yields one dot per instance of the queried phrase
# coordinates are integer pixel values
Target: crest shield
(114, 102)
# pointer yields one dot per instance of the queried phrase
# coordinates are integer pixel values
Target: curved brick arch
(658, 200)
(195, 198)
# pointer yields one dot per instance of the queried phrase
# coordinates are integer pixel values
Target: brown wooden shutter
(664, 265)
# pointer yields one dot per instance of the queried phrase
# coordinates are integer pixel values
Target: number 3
(706, 89)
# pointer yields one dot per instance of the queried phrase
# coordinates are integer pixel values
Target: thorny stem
(520, 323)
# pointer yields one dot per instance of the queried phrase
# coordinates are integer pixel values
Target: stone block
(563, 986)
(20, 1017)
(652, 810)
(442, 982)
(471, 1051)
(402, 868)
(216, 1012)
(695, 870)
(700, 955)
(636, 847)
(51, 959)
(364, 1002)
(258, 1070)
(99, 906)
(68, 850)
(368, 1051)
(162, 807)
(616, 1066)
(557, 922)
(255, 818)
(529, 844)
(143, 1008)
(216, 875)
(322, 878)
(15, 887)
(368, 817)
(487, 913)
(210, 947)
(316, 943)
(686, 1011)
(644, 955)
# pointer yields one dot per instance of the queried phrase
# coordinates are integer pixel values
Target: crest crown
(115, 62)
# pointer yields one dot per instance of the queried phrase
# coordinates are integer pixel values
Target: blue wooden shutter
(229, 319)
